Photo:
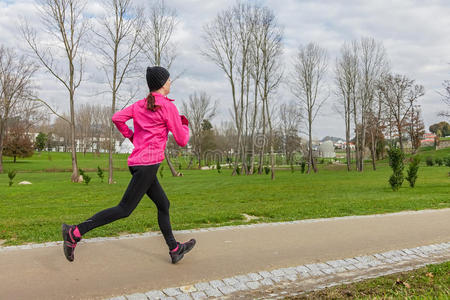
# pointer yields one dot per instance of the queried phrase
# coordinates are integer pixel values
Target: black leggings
(144, 181)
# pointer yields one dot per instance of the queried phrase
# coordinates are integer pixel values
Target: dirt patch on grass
(249, 218)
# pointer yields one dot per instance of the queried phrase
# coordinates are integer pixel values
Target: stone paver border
(307, 277)
(255, 225)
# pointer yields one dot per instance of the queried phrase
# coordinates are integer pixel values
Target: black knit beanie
(156, 77)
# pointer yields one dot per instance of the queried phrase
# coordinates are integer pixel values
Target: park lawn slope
(430, 152)
(34, 213)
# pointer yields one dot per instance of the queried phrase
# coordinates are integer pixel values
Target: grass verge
(430, 282)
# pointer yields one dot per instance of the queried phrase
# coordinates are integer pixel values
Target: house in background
(428, 139)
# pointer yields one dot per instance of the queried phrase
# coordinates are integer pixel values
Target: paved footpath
(246, 257)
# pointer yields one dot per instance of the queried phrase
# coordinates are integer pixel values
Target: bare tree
(310, 66)
(64, 21)
(290, 117)
(15, 87)
(197, 109)
(84, 130)
(400, 94)
(415, 127)
(31, 113)
(376, 117)
(222, 49)
(155, 41)
(271, 50)
(242, 30)
(245, 43)
(373, 65)
(346, 81)
(117, 42)
(255, 70)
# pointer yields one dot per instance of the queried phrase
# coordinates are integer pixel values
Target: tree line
(245, 42)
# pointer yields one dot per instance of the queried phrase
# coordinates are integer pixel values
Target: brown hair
(151, 102)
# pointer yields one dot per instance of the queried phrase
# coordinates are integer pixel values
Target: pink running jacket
(151, 129)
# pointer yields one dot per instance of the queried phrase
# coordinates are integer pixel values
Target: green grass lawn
(430, 282)
(62, 162)
(34, 213)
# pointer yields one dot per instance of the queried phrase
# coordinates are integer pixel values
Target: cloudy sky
(416, 35)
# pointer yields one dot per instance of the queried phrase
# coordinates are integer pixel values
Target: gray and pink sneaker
(70, 240)
(178, 253)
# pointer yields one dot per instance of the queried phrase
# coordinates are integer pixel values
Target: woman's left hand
(184, 120)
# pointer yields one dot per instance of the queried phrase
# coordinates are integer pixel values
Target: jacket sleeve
(173, 120)
(119, 119)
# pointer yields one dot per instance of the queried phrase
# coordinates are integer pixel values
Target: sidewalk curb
(306, 278)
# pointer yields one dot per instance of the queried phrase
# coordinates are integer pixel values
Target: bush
(100, 173)
(439, 161)
(219, 167)
(413, 168)
(447, 161)
(429, 161)
(86, 177)
(396, 157)
(303, 166)
(11, 175)
(41, 141)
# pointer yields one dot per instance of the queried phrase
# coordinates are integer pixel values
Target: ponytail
(151, 102)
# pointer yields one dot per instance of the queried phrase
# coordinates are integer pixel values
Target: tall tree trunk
(356, 136)
(347, 139)
(311, 158)
(2, 137)
(113, 110)
(199, 158)
(237, 154)
(261, 153)
(373, 149)
(272, 155)
(110, 152)
(171, 167)
(255, 110)
(363, 144)
(75, 174)
(272, 158)
(400, 137)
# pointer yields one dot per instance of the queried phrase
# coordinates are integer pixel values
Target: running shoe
(69, 241)
(181, 250)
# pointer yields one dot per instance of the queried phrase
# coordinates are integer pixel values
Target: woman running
(153, 118)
